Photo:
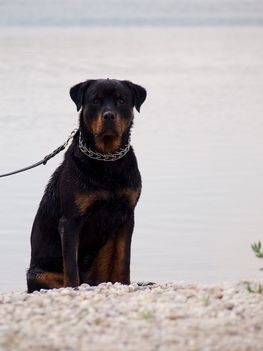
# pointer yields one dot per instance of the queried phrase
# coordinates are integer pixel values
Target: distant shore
(172, 316)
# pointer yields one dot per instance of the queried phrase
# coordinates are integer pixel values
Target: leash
(46, 158)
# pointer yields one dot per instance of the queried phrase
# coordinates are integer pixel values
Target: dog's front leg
(69, 229)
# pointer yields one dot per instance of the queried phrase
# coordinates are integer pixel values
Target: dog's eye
(120, 100)
(96, 101)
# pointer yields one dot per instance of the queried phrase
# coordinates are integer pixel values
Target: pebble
(166, 317)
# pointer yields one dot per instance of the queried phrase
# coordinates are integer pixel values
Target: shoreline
(171, 316)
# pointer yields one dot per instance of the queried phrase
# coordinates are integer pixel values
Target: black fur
(68, 239)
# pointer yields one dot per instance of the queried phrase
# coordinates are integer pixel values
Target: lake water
(198, 140)
(127, 13)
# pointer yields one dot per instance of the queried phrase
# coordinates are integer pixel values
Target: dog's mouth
(107, 133)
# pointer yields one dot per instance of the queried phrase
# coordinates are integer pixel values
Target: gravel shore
(172, 316)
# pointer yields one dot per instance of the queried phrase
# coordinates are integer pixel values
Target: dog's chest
(104, 212)
(103, 199)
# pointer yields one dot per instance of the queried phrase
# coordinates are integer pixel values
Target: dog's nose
(108, 115)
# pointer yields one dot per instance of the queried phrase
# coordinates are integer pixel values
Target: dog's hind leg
(37, 279)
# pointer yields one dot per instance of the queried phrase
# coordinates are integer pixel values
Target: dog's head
(107, 109)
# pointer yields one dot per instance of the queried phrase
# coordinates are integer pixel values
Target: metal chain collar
(103, 157)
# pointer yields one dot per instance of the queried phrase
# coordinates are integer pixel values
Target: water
(198, 140)
(127, 13)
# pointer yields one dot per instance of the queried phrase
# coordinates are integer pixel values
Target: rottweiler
(83, 227)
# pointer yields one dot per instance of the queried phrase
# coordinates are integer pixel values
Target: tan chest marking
(108, 144)
(85, 201)
(132, 194)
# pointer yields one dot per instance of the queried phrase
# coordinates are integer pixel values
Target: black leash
(46, 158)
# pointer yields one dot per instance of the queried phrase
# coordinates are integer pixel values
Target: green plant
(256, 247)
(206, 300)
(148, 315)
(258, 289)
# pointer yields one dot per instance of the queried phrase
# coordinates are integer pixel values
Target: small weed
(258, 289)
(256, 247)
(206, 300)
(148, 315)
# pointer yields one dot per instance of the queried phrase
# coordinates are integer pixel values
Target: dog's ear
(139, 94)
(78, 91)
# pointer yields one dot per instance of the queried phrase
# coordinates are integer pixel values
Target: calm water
(127, 13)
(198, 140)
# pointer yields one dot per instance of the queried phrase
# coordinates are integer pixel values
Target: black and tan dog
(83, 228)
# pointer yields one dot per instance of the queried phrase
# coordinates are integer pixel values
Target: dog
(83, 227)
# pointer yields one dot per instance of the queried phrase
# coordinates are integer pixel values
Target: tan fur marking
(97, 125)
(119, 274)
(132, 194)
(108, 144)
(53, 280)
(84, 201)
(122, 124)
(102, 265)
(68, 283)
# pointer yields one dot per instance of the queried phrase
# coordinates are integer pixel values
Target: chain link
(71, 136)
(103, 157)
